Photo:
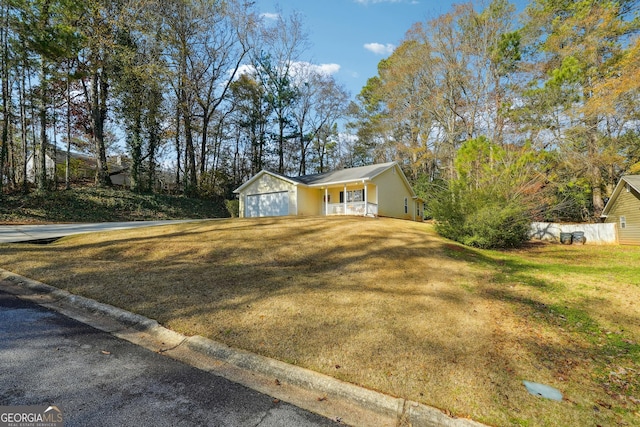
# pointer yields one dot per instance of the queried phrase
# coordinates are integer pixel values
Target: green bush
(233, 207)
(491, 201)
(480, 219)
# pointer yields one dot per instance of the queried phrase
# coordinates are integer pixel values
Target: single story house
(375, 190)
(83, 166)
(623, 209)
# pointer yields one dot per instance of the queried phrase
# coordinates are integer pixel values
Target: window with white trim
(623, 222)
(406, 205)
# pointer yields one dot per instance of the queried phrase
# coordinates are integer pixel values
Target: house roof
(632, 180)
(344, 175)
(340, 176)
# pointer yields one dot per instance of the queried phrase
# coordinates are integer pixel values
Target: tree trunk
(203, 148)
(42, 176)
(136, 154)
(98, 107)
(5, 115)
(24, 130)
(281, 145)
(67, 159)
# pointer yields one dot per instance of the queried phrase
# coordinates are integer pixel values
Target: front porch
(353, 208)
(357, 199)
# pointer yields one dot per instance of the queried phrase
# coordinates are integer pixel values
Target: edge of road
(332, 398)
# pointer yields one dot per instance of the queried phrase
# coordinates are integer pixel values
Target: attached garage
(269, 204)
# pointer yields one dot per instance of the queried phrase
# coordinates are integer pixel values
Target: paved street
(99, 380)
(24, 233)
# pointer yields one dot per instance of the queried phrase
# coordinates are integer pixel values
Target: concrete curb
(325, 395)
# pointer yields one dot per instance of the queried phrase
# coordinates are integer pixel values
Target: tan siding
(628, 205)
(391, 194)
(310, 201)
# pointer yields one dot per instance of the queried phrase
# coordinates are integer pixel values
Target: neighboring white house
(83, 166)
(375, 190)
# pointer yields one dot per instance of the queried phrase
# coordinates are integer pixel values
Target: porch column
(344, 199)
(366, 205)
(326, 202)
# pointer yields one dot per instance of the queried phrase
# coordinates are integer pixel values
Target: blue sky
(352, 36)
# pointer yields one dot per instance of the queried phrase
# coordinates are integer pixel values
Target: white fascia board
(332, 183)
(258, 175)
(614, 196)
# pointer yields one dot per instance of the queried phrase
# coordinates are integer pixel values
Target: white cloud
(271, 16)
(380, 49)
(327, 69)
(244, 69)
(301, 69)
(297, 69)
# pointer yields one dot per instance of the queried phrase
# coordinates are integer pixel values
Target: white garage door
(271, 204)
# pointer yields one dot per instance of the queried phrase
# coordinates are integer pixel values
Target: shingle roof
(633, 180)
(344, 175)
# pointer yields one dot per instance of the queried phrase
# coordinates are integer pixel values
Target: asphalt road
(26, 233)
(99, 380)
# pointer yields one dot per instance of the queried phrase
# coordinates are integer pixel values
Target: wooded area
(204, 88)
(540, 110)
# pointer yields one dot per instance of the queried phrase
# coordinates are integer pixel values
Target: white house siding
(31, 167)
(392, 192)
(266, 184)
(628, 205)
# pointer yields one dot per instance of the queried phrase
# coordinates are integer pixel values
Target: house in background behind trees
(375, 190)
(623, 209)
(83, 170)
(82, 167)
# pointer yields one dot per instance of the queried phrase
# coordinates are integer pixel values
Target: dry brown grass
(382, 303)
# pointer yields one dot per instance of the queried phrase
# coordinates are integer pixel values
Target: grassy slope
(386, 304)
(90, 204)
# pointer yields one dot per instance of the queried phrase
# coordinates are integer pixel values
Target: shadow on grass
(350, 291)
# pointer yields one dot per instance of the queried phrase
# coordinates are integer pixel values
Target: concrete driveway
(26, 233)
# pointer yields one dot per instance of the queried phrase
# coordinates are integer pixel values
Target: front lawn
(386, 304)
